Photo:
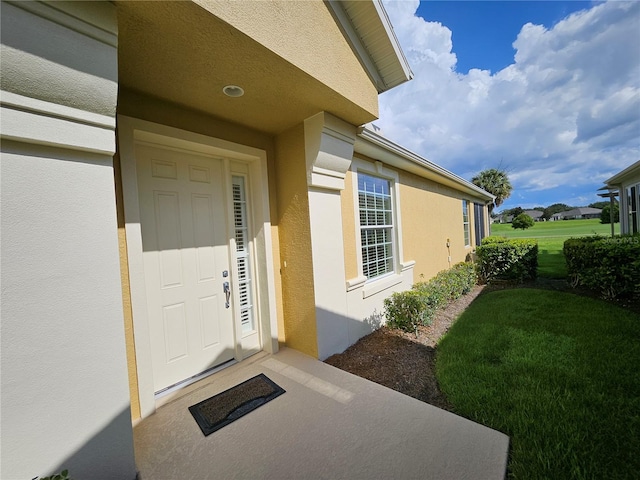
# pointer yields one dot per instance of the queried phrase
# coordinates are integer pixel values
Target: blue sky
(548, 90)
(483, 31)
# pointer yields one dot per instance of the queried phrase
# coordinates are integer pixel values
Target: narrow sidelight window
(243, 255)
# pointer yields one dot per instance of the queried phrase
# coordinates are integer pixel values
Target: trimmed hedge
(412, 308)
(509, 259)
(609, 265)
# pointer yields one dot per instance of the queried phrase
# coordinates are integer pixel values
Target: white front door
(183, 212)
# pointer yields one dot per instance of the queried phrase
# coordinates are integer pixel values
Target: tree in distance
(607, 213)
(496, 182)
(522, 221)
(555, 208)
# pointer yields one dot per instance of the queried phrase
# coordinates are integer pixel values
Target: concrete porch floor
(329, 424)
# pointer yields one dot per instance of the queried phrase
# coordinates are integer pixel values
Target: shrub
(522, 221)
(449, 284)
(510, 259)
(407, 310)
(609, 265)
(494, 239)
(608, 213)
(410, 309)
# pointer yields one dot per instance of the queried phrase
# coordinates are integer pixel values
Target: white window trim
(377, 284)
(467, 223)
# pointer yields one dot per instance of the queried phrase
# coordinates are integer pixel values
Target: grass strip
(556, 372)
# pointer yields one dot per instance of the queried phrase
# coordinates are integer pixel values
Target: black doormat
(220, 410)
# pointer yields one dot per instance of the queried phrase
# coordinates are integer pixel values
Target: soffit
(179, 52)
(376, 36)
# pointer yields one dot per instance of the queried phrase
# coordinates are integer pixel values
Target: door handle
(227, 290)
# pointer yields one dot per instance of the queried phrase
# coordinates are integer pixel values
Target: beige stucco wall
(430, 213)
(349, 227)
(308, 37)
(294, 232)
(148, 108)
(179, 52)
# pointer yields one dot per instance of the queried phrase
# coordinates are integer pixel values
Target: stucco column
(65, 395)
(328, 150)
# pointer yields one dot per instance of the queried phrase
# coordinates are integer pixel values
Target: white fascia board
(386, 23)
(619, 178)
(367, 52)
(356, 44)
(379, 148)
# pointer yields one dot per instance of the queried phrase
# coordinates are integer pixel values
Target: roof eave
(616, 180)
(382, 149)
(402, 60)
(367, 52)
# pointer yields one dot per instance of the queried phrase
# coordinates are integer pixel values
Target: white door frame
(131, 130)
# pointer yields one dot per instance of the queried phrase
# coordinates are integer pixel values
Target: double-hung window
(465, 223)
(376, 225)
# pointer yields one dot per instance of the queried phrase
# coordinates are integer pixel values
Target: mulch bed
(403, 361)
(406, 363)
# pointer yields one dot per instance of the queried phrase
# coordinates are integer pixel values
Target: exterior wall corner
(63, 342)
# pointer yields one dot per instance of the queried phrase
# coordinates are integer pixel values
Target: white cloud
(565, 112)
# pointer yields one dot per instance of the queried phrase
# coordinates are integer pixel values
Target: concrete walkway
(328, 425)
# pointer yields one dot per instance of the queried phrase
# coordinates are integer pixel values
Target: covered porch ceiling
(182, 54)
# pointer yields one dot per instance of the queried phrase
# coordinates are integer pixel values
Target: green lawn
(551, 237)
(556, 372)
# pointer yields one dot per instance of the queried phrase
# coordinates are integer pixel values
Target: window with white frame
(633, 198)
(376, 225)
(465, 223)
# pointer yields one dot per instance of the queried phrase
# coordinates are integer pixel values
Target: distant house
(578, 213)
(627, 183)
(535, 214)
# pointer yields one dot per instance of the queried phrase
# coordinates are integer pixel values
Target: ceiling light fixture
(233, 91)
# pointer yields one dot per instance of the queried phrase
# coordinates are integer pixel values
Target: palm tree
(496, 182)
